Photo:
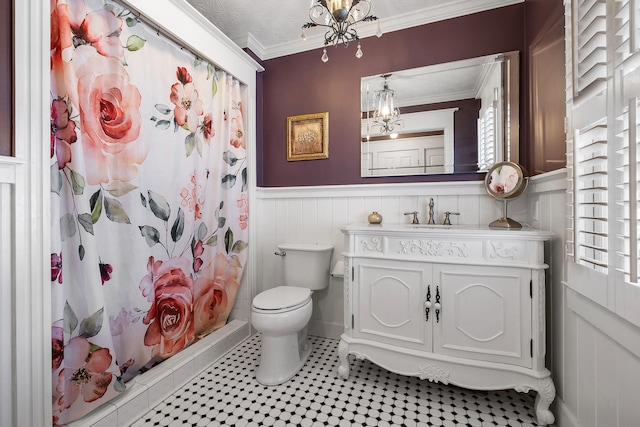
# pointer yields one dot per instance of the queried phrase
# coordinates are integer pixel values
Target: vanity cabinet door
(485, 313)
(389, 303)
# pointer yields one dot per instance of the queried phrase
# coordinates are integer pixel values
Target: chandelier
(386, 118)
(340, 18)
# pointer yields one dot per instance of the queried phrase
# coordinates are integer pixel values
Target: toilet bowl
(284, 348)
(281, 314)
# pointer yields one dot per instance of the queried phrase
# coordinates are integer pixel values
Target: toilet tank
(306, 265)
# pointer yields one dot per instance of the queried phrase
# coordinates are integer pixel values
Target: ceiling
(272, 30)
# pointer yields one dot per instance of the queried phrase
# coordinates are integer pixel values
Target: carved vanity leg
(546, 394)
(343, 356)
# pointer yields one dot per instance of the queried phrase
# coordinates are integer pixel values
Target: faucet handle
(447, 221)
(414, 220)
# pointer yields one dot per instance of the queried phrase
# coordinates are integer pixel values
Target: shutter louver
(625, 29)
(486, 139)
(627, 160)
(591, 197)
(591, 48)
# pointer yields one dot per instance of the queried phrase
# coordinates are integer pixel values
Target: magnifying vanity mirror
(505, 181)
(455, 117)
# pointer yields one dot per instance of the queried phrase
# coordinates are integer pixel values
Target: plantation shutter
(627, 144)
(486, 139)
(587, 230)
(603, 145)
(591, 184)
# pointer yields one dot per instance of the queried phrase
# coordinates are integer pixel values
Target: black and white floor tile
(227, 394)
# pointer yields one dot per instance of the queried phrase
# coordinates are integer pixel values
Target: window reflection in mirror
(456, 117)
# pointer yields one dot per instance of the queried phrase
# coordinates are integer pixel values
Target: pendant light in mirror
(386, 117)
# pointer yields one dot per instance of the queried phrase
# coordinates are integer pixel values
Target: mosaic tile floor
(227, 394)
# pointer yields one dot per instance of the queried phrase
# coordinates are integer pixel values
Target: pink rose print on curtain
(198, 250)
(170, 317)
(63, 132)
(207, 128)
(195, 231)
(57, 347)
(99, 28)
(88, 377)
(73, 26)
(110, 116)
(187, 110)
(243, 209)
(56, 267)
(237, 132)
(105, 272)
(188, 106)
(213, 293)
(193, 197)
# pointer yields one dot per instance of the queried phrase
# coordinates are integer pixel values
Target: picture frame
(308, 137)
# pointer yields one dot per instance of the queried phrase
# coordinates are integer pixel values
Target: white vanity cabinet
(457, 305)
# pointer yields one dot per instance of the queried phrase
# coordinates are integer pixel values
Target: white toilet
(281, 314)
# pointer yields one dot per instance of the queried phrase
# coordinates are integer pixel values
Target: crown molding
(453, 9)
(254, 45)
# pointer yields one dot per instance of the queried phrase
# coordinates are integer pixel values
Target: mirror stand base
(505, 223)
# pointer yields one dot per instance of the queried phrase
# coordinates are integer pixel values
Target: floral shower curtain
(149, 203)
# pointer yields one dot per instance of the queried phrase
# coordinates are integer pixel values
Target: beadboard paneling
(7, 279)
(315, 215)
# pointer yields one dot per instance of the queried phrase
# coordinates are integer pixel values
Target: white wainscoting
(594, 355)
(601, 366)
(315, 214)
(8, 210)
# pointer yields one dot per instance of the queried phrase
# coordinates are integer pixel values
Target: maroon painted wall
(545, 100)
(6, 77)
(303, 84)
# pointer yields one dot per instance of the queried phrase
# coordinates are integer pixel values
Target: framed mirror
(455, 117)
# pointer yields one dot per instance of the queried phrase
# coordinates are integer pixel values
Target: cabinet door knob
(427, 304)
(437, 305)
(427, 307)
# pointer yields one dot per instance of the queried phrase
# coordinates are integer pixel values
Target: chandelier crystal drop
(340, 18)
(386, 117)
(324, 57)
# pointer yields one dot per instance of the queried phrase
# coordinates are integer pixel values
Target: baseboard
(323, 329)
(564, 416)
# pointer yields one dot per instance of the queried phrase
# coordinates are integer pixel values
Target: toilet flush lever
(280, 253)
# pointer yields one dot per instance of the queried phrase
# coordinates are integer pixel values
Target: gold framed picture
(308, 137)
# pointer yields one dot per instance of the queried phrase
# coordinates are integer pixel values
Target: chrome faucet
(430, 220)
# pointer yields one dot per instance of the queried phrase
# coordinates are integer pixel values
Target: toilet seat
(281, 299)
